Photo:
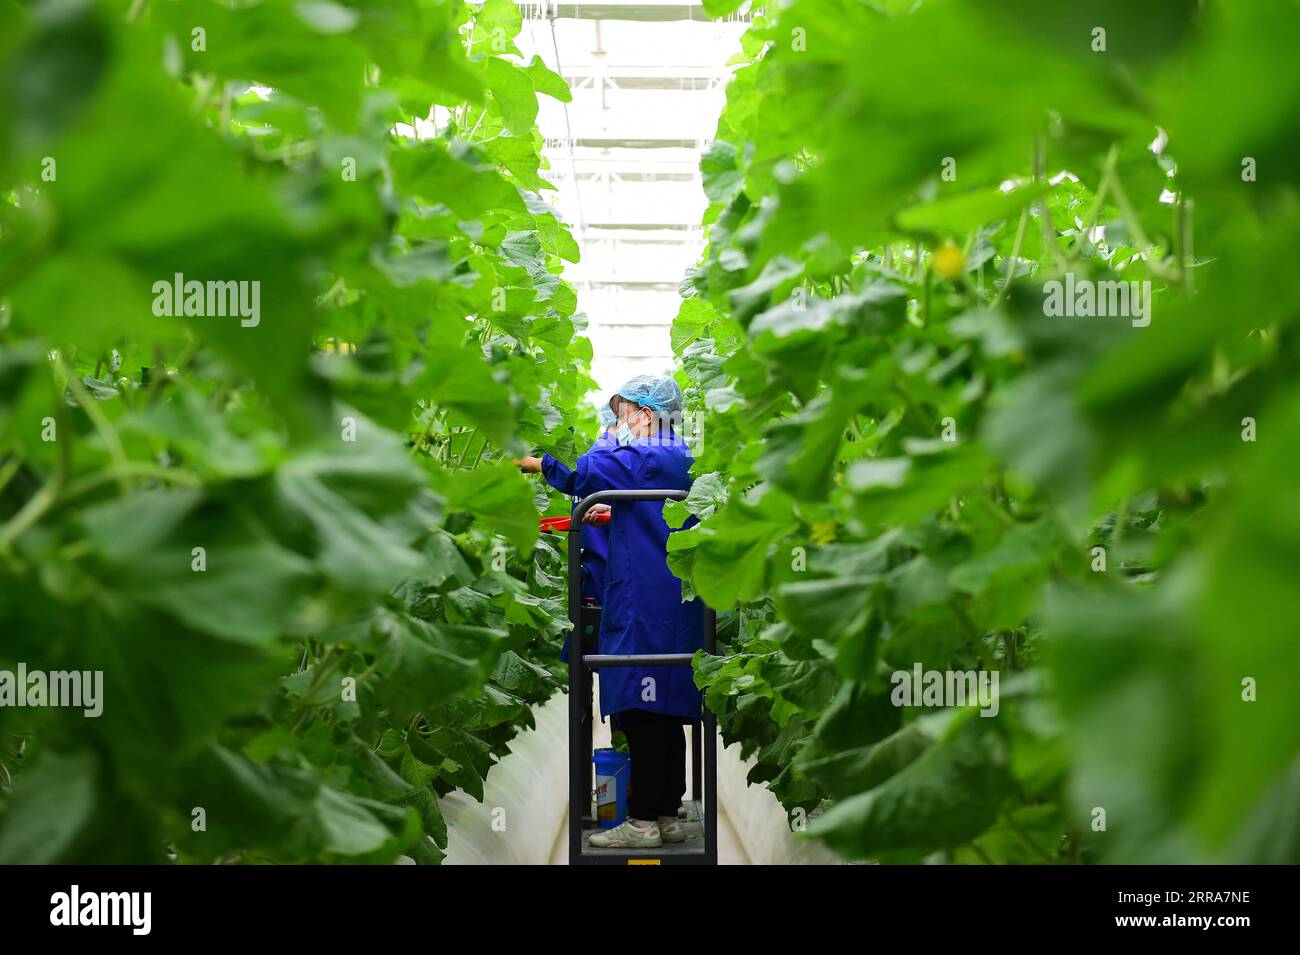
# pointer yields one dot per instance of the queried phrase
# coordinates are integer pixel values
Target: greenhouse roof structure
(648, 84)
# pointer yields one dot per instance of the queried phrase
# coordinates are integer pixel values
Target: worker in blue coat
(643, 609)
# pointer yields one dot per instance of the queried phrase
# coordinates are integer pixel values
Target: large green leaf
(500, 496)
(946, 796)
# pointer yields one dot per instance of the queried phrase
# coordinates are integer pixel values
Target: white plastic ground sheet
(525, 798)
(758, 819)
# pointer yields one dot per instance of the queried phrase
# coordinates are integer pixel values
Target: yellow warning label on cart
(645, 862)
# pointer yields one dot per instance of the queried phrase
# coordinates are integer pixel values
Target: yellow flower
(823, 532)
(948, 262)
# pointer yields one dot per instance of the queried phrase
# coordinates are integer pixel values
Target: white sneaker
(670, 830)
(627, 836)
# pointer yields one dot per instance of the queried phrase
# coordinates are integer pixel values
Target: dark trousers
(657, 747)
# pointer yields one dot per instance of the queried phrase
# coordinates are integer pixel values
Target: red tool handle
(549, 525)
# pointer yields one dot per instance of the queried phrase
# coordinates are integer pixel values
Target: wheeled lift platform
(701, 824)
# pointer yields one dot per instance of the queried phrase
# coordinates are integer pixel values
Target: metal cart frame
(704, 747)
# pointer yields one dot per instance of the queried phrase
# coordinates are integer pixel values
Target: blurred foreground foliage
(294, 547)
(906, 460)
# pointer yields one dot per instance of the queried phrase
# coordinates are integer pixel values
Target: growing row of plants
(910, 457)
(288, 535)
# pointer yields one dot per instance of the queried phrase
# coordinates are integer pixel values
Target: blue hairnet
(659, 393)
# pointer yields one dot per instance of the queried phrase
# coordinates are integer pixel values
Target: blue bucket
(613, 775)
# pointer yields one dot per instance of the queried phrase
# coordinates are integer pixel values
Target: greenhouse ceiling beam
(674, 79)
(643, 11)
(638, 356)
(637, 143)
(642, 226)
(674, 84)
(599, 162)
(641, 158)
(648, 286)
(605, 175)
(620, 71)
(597, 234)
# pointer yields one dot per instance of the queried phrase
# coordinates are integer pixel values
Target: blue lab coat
(594, 537)
(643, 610)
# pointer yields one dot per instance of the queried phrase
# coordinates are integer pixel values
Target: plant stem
(157, 382)
(1121, 522)
(1140, 240)
(479, 457)
(479, 122)
(133, 469)
(31, 512)
(1185, 252)
(102, 427)
(469, 440)
(1099, 199)
(925, 292)
(1015, 254)
(43, 499)
(8, 469)
(1044, 214)
(324, 668)
(428, 426)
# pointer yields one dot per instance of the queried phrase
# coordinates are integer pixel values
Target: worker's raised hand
(529, 465)
(591, 517)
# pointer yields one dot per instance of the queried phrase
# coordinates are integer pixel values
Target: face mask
(625, 434)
